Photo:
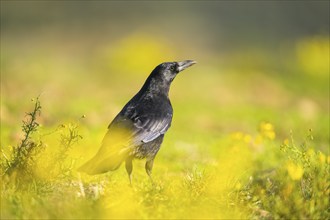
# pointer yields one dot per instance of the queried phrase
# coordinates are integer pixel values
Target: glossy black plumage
(139, 128)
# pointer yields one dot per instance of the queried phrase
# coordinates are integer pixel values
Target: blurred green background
(256, 61)
(262, 76)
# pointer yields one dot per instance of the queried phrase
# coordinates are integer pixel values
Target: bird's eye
(172, 68)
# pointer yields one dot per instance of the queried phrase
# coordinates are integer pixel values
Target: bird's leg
(148, 167)
(129, 169)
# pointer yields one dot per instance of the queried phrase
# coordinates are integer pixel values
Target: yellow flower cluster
(295, 170)
(266, 130)
(241, 136)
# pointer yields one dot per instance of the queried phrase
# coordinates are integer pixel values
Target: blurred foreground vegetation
(239, 175)
(250, 133)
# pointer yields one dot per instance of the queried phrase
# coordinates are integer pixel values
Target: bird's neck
(155, 86)
(159, 87)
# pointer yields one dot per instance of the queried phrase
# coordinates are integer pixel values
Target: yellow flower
(267, 130)
(295, 171)
(237, 135)
(267, 126)
(322, 157)
(247, 138)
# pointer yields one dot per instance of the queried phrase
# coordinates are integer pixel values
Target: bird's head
(161, 77)
(167, 71)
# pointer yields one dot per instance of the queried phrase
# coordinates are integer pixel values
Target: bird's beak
(185, 64)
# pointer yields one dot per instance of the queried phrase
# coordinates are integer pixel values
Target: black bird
(139, 128)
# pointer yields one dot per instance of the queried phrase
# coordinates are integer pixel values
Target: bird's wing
(149, 127)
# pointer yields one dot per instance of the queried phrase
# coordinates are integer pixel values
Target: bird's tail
(92, 169)
(113, 151)
(99, 164)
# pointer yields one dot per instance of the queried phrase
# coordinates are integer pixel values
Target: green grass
(240, 144)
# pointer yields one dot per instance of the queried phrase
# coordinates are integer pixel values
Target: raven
(139, 128)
